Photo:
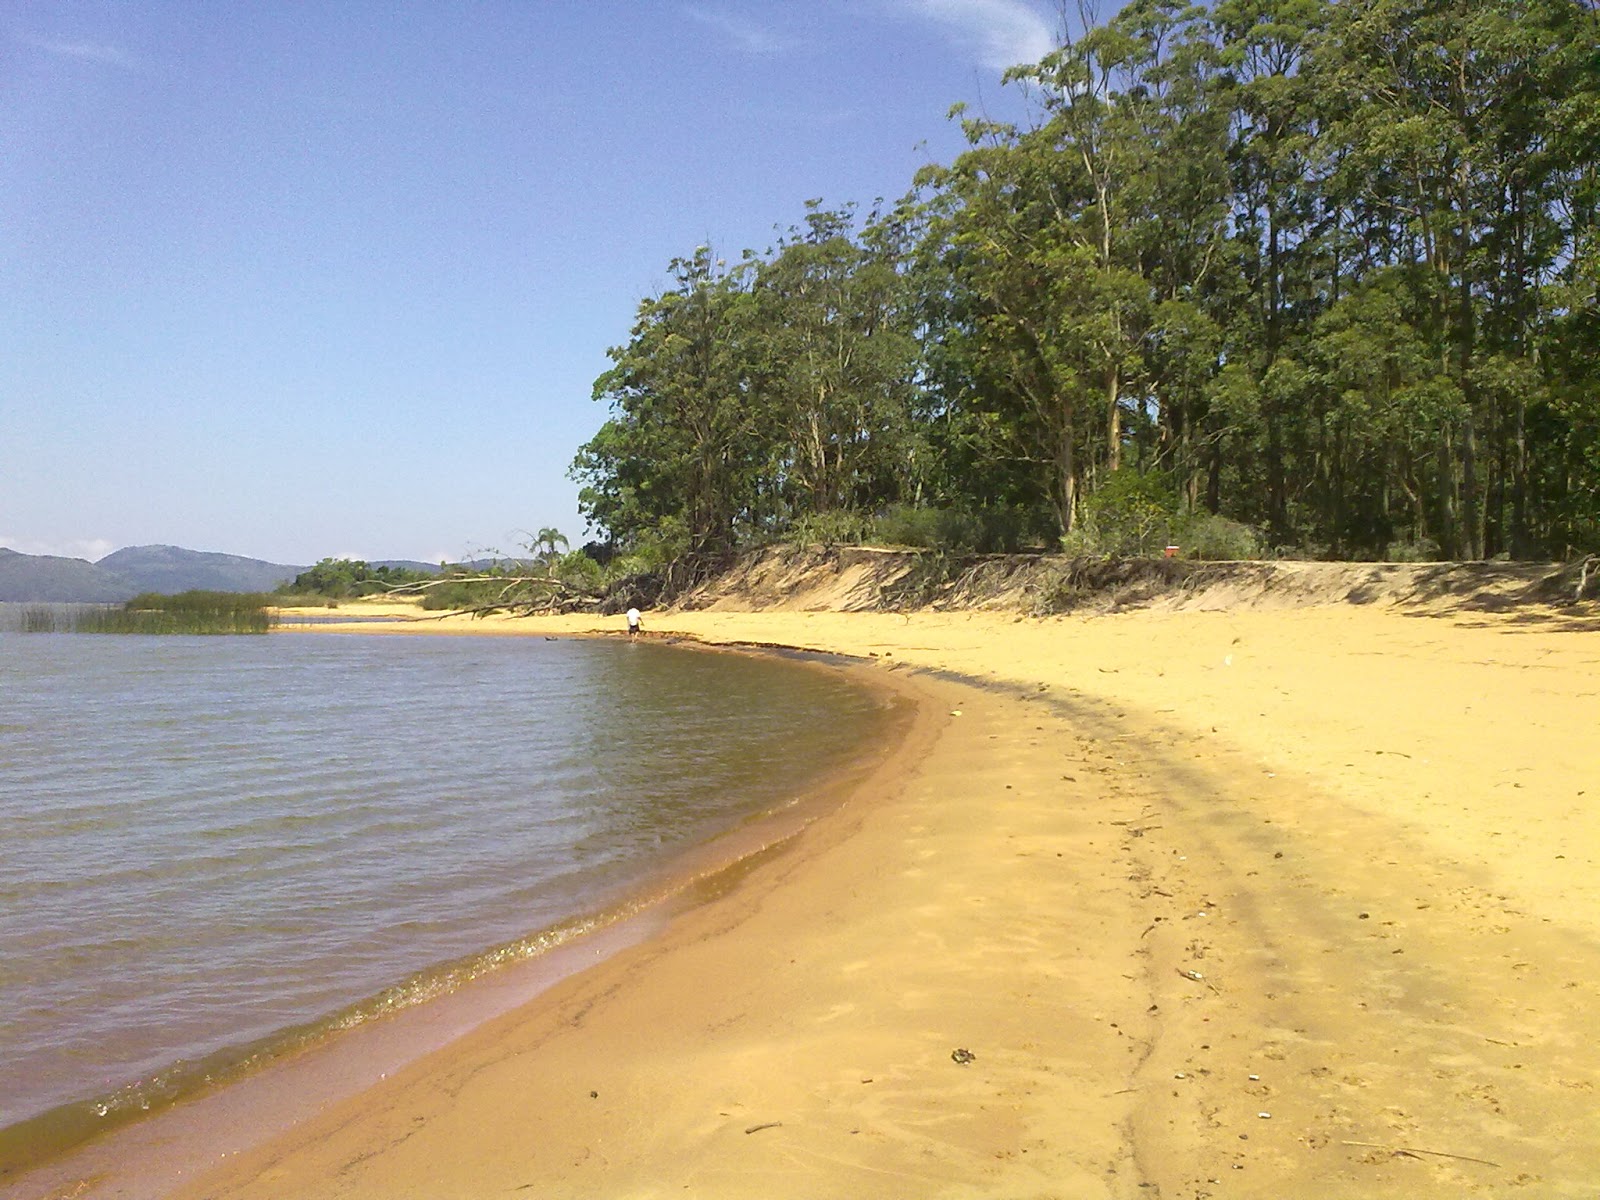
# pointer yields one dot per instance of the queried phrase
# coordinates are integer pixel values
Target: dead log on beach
(523, 594)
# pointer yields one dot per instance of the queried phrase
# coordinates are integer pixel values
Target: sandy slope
(1271, 903)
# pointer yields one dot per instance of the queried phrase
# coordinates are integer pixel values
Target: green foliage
(1133, 514)
(195, 612)
(1205, 535)
(752, 398)
(455, 596)
(991, 530)
(342, 578)
(1329, 271)
(828, 529)
(1412, 552)
(926, 529)
(578, 569)
(549, 579)
(283, 598)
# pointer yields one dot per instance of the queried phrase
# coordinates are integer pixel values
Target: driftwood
(544, 593)
(1585, 568)
(1414, 1151)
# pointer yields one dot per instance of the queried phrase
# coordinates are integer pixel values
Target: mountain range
(47, 578)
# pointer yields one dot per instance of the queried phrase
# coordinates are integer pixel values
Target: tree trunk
(1113, 418)
(1066, 497)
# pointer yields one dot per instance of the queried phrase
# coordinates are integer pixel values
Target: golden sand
(1292, 903)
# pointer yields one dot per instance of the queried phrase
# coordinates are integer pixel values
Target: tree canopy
(1324, 269)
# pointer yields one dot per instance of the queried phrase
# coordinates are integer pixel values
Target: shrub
(578, 570)
(1132, 514)
(828, 529)
(1413, 550)
(963, 531)
(449, 596)
(926, 528)
(1209, 536)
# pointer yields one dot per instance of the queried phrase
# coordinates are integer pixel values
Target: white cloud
(746, 35)
(94, 52)
(89, 548)
(1002, 32)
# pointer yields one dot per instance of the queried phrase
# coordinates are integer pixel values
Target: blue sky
(297, 279)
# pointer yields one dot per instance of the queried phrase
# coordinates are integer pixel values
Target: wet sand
(1182, 904)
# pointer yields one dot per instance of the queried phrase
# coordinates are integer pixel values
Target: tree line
(1317, 276)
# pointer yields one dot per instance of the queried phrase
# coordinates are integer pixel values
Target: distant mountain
(172, 569)
(45, 578)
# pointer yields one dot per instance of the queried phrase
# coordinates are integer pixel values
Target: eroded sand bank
(1273, 903)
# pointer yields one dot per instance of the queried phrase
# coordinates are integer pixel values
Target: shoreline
(1254, 903)
(275, 1087)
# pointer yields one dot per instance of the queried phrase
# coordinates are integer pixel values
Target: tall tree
(677, 461)
(833, 330)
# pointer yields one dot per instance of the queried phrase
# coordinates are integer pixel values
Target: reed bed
(184, 613)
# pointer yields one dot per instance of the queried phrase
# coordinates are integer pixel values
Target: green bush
(282, 599)
(578, 570)
(346, 577)
(1133, 514)
(1208, 536)
(926, 528)
(1414, 550)
(451, 596)
(963, 531)
(828, 529)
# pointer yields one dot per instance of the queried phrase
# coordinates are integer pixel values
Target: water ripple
(207, 840)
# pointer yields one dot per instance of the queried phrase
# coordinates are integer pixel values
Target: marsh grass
(41, 619)
(185, 613)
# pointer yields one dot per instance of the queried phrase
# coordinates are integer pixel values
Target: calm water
(208, 843)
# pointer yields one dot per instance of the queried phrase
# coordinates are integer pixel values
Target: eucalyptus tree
(833, 337)
(1447, 110)
(1175, 201)
(1330, 265)
(1273, 152)
(1013, 352)
(678, 461)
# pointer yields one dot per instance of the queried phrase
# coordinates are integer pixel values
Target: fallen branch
(538, 593)
(1415, 1150)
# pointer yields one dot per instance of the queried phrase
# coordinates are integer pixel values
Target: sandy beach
(1265, 903)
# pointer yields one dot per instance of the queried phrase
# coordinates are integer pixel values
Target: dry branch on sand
(523, 595)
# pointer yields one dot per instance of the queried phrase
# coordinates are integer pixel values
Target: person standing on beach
(633, 622)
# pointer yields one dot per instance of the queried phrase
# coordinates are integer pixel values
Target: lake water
(211, 848)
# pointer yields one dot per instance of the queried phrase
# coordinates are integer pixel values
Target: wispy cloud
(92, 52)
(746, 35)
(92, 549)
(1003, 33)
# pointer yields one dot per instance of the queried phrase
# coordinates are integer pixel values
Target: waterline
(213, 850)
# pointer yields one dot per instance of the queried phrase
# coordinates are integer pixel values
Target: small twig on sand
(1414, 1150)
(764, 1125)
(1199, 978)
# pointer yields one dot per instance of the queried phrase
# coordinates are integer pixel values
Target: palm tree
(547, 546)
